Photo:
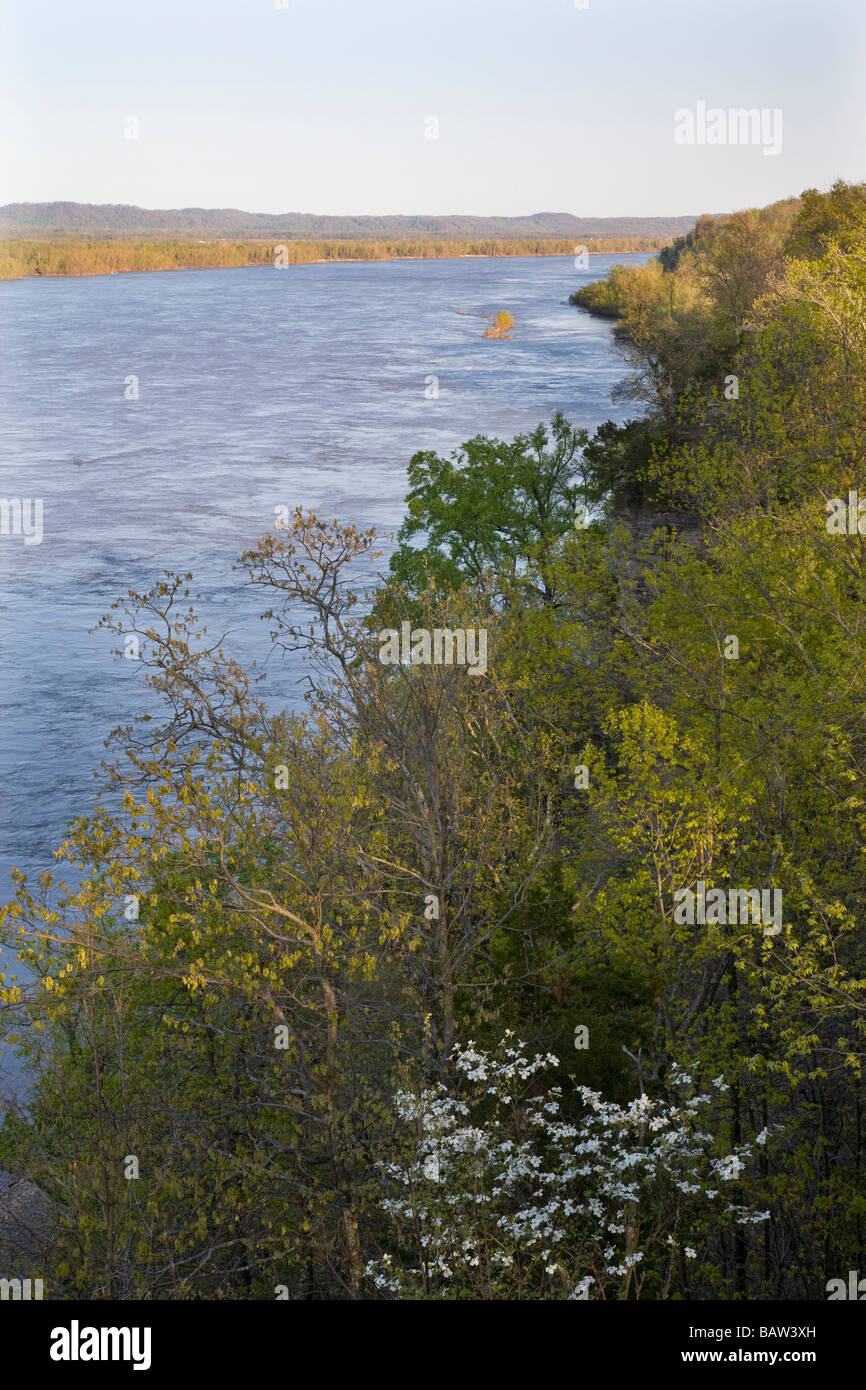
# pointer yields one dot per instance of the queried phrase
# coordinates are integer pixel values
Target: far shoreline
(61, 260)
(299, 265)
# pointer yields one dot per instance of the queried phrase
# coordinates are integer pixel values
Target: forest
(391, 998)
(20, 257)
(60, 219)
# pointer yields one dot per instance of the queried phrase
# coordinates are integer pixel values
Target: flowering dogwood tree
(499, 1196)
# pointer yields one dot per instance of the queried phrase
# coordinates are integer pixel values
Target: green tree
(492, 508)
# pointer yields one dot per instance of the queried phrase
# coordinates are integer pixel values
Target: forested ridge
(124, 219)
(454, 987)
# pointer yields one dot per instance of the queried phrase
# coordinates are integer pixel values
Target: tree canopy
(398, 997)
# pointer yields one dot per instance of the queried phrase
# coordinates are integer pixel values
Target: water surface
(257, 387)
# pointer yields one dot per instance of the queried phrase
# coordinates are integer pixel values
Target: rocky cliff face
(25, 1226)
(643, 522)
(649, 530)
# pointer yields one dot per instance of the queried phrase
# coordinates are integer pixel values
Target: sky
(488, 107)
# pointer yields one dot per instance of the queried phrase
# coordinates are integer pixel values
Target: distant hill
(122, 219)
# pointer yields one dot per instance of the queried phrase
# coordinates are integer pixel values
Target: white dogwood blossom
(500, 1196)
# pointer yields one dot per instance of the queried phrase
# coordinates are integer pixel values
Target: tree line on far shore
(111, 256)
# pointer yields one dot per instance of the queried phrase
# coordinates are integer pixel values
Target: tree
(501, 325)
(537, 1194)
(492, 508)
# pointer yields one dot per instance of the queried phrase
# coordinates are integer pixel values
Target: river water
(162, 417)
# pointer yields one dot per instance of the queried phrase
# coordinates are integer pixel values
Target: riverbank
(21, 258)
(599, 298)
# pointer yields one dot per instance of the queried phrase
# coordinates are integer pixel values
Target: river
(162, 417)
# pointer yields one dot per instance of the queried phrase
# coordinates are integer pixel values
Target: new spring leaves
(717, 906)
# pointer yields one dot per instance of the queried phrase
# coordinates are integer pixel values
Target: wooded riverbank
(108, 256)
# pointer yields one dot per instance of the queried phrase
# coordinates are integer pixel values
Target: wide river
(162, 418)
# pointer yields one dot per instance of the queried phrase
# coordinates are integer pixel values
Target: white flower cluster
(502, 1197)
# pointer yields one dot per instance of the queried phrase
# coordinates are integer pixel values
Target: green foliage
(839, 216)
(601, 297)
(681, 317)
(492, 507)
(618, 458)
(448, 856)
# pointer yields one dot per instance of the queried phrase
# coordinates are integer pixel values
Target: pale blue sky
(321, 106)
